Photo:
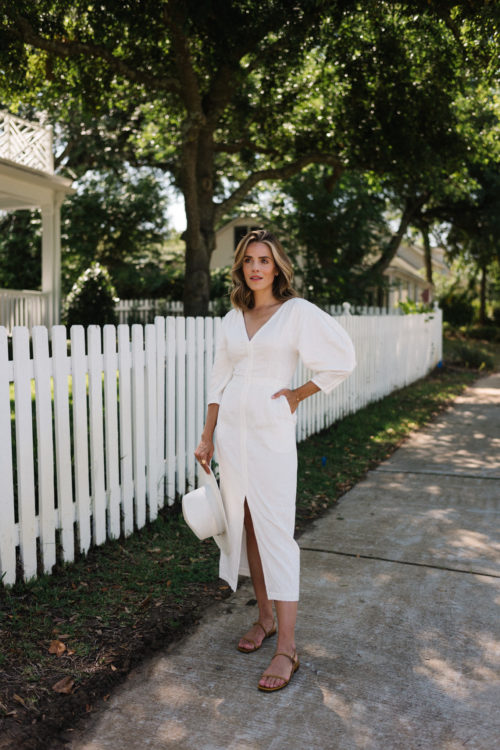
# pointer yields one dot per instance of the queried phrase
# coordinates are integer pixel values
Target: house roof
(26, 187)
(406, 269)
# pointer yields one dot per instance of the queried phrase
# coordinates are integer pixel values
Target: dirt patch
(120, 649)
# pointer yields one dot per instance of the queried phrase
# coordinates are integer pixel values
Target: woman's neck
(264, 299)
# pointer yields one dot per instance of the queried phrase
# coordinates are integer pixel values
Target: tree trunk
(424, 228)
(412, 206)
(197, 185)
(482, 295)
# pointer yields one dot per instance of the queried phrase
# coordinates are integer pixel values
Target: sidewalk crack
(400, 562)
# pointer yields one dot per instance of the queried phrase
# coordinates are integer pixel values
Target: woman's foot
(252, 640)
(279, 673)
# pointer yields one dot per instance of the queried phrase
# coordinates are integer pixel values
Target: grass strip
(127, 598)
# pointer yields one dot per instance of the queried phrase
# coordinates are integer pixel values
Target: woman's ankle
(267, 621)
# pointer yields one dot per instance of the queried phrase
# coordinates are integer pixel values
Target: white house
(27, 181)
(405, 273)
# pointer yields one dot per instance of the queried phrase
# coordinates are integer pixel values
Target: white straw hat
(203, 511)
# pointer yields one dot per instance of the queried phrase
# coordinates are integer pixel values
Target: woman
(251, 403)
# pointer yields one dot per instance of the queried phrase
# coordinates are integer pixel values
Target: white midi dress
(255, 435)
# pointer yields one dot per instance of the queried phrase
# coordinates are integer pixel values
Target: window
(240, 232)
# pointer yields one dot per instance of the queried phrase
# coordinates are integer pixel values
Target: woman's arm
(298, 394)
(205, 449)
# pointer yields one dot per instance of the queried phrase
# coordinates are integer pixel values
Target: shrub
(457, 309)
(472, 356)
(410, 307)
(484, 333)
(496, 316)
(92, 299)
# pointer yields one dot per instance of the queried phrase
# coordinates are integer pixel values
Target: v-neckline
(249, 340)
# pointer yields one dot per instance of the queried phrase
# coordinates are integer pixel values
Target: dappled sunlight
(337, 703)
(175, 693)
(434, 489)
(332, 577)
(440, 514)
(439, 671)
(473, 542)
(171, 731)
(354, 714)
(319, 651)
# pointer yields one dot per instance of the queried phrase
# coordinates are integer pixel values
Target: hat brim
(222, 540)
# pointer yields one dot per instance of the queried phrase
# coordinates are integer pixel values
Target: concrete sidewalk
(398, 629)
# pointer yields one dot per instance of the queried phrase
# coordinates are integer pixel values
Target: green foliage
(332, 231)
(363, 87)
(117, 219)
(484, 332)
(461, 353)
(91, 300)
(457, 308)
(20, 250)
(410, 307)
(220, 289)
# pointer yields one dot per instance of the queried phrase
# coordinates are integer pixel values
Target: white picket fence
(145, 310)
(105, 425)
(23, 308)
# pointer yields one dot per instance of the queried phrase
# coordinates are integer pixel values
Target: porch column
(51, 257)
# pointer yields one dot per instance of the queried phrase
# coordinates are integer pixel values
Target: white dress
(255, 434)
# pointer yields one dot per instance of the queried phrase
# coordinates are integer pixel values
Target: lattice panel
(25, 143)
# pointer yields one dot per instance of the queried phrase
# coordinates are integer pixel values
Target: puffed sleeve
(222, 369)
(325, 347)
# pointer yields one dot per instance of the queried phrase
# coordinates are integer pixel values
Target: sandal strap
(292, 658)
(266, 632)
(276, 676)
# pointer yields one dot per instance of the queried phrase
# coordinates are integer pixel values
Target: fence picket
(160, 410)
(138, 425)
(24, 450)
(200, 386)
(95, 367)
(170, 410)
(7, 527)
(180, 340)
(125, 411)
(111, 431)
(44, 440)
(60, 363)
(151, 428)
(80, 437)
(190, 402)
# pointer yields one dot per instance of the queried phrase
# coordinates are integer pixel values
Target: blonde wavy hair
(241, 295)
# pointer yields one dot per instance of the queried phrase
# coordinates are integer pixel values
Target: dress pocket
(287, 410)
(280, 435)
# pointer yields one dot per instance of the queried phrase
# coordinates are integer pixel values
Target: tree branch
(244, 143)
(412, 206)
(189, 89)
(276, 173)
(23, 30)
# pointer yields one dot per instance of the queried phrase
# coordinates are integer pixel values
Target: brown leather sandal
(295, 665)
(267, 634)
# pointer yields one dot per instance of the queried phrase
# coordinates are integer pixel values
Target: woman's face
(259, 268)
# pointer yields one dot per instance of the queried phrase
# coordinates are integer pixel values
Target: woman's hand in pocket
(290, 397)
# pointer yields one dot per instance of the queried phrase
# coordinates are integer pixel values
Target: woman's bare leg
(264, 604)
(280, 665)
